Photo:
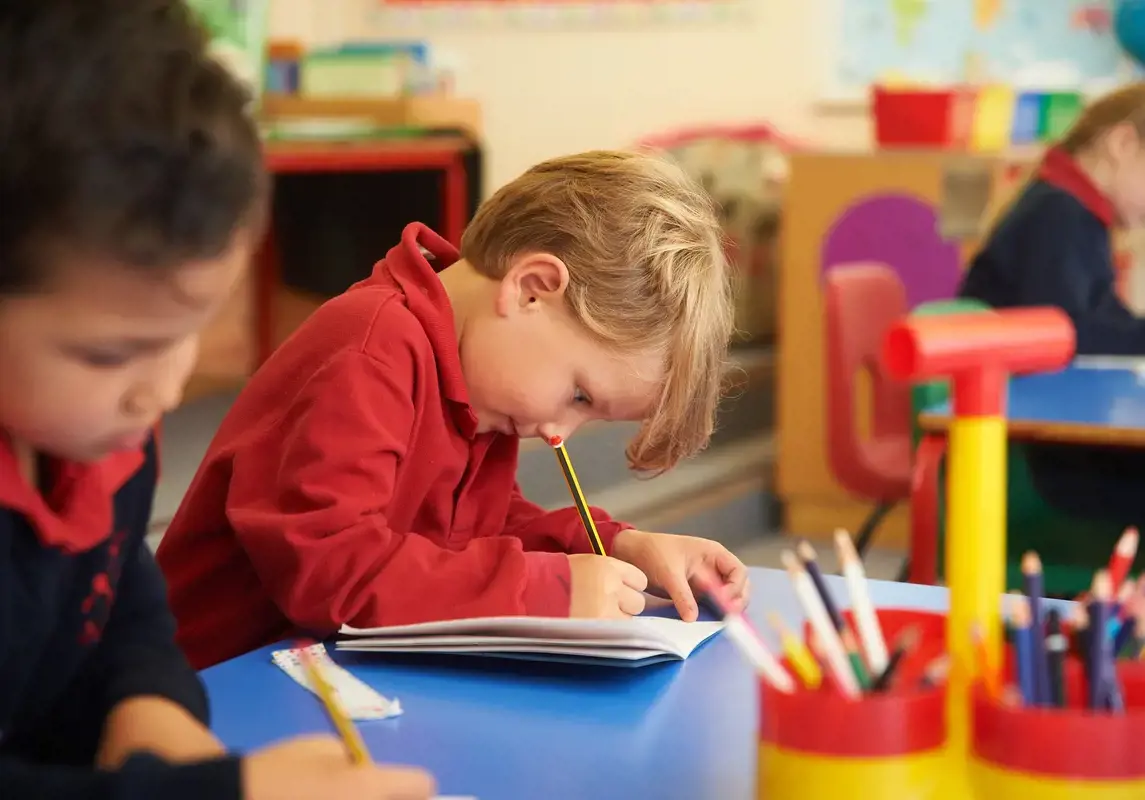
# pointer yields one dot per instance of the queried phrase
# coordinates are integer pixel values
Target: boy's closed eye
(580, 397)
(111, 356)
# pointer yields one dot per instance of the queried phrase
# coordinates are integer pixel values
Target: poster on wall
(554, 13)
(1036, 44)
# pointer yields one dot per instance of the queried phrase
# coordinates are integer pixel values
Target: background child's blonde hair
(1125, 105)
(647, 270)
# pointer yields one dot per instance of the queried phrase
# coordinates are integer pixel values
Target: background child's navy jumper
(84, 624)
(1052, 248)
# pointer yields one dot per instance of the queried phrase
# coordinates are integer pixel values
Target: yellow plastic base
(991, 783)
(789, 774)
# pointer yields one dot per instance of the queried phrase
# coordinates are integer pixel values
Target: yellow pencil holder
(818, 745)
(1024, 753)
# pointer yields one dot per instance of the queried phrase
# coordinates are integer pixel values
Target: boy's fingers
(632, 576)
(631, 601)
(681, 593)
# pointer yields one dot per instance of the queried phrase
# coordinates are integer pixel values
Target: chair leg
(924, 509)
(904, 572)
(867, 531)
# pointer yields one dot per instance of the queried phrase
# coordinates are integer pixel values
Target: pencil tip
(806, 551)
(556, 441)
(1103, 586)
(1031, 563)
(1127, 544)
(788, 559)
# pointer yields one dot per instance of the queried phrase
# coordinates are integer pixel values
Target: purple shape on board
(901, 232)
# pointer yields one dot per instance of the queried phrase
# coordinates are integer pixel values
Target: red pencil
(1123, 555)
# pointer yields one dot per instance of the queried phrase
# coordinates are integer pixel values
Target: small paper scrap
(357, 699)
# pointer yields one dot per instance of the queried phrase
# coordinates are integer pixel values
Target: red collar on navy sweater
(1061, 170)
(79, 510)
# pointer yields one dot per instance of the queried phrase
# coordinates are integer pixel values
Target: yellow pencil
(800, 658)
(558, 446)
(342, 722)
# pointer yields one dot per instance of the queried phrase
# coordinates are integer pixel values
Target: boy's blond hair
(647, 270)
(1121, 106)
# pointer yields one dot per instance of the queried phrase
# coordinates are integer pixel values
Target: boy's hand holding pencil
(664, 562)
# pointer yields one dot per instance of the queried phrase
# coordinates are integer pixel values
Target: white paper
(358, 700)
(620, 640)
(1128, 363)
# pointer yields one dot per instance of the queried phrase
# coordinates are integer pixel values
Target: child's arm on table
(317, 534)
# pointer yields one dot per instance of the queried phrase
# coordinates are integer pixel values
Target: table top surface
(1081, 404)
(502, 730)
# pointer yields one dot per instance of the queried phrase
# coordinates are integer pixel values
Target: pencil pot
(1021, 752)
(816, 743)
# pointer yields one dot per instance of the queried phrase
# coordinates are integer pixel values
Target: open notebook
(632, 642)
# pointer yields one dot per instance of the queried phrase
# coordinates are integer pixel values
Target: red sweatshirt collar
(79, 511)
(427, 300)
(1061, 170)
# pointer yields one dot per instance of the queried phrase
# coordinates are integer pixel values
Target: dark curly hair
(121, 139)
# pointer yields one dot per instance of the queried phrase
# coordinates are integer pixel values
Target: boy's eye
(104, 360)
(580, 396)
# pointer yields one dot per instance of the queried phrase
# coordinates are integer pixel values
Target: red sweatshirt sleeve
(316, 530)
(559, 531)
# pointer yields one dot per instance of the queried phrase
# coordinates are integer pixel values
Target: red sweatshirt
(347, 485)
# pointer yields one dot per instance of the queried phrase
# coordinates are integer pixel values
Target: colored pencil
(748, 641)
(1100, 655)
(342, 722)
(862, 676)
(936, 673)
(810, 563)
(1035, 587)
(1123, 554)
(906, 642)
(829, 642)
(581, 504)
(1056, 647)
(798, 655)
(990, 677)
(866, 619)
(1024, 636)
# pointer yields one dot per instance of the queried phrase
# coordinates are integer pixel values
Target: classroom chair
(1071, 549)
(860, 304)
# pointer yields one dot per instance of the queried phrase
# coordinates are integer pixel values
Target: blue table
(1078, 405)
(501, 730)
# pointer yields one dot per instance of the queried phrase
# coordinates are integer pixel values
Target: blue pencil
(1034, 586)
(1099, 658)
(1024, 636)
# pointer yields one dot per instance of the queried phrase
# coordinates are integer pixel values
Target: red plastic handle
(978, 351)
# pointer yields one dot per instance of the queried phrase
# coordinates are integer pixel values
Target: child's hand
(672, 562)
(605, 588)
(318, 766)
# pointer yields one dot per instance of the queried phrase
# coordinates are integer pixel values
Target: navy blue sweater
(1052, 248)
(84, 624)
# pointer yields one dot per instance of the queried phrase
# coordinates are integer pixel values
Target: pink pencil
(747, 639)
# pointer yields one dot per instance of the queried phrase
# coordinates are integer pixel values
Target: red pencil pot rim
(1072, 743)
(905, 720)
(823, 722)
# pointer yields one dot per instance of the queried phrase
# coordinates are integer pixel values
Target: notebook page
(669, 635)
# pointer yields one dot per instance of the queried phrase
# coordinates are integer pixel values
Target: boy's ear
(532, 280)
